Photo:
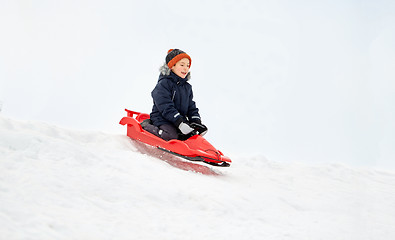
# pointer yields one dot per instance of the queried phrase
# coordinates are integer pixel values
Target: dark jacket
(173, 99)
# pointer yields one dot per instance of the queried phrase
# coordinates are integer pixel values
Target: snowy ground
(66, 184)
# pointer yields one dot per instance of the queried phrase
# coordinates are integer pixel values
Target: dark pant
(165, 131)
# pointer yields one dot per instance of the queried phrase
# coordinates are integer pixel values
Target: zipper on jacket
(174, 94)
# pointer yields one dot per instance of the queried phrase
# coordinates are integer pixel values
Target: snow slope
(66, 184)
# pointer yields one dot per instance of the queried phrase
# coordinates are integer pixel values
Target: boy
(174, 113)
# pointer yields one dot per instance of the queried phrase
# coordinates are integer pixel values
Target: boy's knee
(168, 132)
(152, 129)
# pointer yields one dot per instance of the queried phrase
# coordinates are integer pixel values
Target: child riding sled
(174, 113)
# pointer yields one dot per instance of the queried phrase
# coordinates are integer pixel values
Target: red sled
(195, 148)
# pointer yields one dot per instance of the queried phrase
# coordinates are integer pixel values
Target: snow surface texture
(65, 184)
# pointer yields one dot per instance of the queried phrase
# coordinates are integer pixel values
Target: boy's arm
(193, 111)
(162, 95)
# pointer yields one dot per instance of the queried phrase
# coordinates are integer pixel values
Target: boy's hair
(175, 55)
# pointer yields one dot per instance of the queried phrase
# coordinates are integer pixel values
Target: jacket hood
(165, 71)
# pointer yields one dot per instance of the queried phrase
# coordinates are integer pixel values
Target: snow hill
(66, 184)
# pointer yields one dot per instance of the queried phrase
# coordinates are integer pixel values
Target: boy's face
(181, 68)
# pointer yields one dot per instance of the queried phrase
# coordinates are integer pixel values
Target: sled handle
(131, 113)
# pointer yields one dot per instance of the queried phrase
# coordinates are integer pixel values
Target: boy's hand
(184, 127)
(200, 128)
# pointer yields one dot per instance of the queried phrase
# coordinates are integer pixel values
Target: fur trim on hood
(165, 70)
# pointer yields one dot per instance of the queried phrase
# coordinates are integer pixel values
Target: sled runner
(195, 148)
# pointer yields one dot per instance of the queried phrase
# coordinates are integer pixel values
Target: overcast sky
(292, 80)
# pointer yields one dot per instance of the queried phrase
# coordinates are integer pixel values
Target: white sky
(291, 80)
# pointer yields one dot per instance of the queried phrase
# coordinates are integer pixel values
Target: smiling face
(181, 68)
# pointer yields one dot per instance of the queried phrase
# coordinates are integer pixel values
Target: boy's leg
(165, 131)
(168, 132)
(151, 129)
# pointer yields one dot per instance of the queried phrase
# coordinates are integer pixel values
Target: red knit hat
(175, 55)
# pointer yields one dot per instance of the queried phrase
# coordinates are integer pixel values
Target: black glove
(200, 128)
(183, 125)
